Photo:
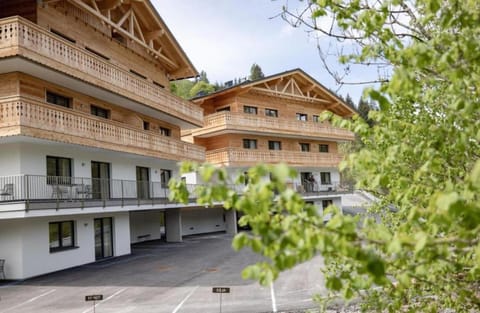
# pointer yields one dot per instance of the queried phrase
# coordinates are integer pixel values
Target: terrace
(39, 192)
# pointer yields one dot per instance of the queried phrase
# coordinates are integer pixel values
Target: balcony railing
(19, 36)
(55, 192)
(87, 129)
(248, 157)
(75, 192)
(248, 122)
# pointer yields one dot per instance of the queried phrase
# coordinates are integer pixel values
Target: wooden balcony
(20, 37)
(223, 122)
(40, 120)
(249, 157)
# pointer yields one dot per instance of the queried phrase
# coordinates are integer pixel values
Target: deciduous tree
(420, 250)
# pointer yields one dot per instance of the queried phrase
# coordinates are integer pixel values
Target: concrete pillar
(231, 221)
(173, 225)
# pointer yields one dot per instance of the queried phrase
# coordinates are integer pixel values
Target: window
(316, 118)
(57, 99)
(138, 74)
(100, 112)
(146, 125)
(97, 53)
(250, 110)
(226, 109)
(245, 175)
(325, 178)
(304, 147)
(322, 148)
(61, 235)
(250, 143)
(302, 117)
(158, 84)
(56, 32)
(165, 176)
(59, 170)
(326, 203)
(271, 112)
(274, 145)
(165, 132)
(119, 38)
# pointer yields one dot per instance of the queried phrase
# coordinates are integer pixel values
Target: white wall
(24, 244)
(337, 201)
(123, 166)
(145, 223)
(202, 220)
(9, 159)
(11, 247)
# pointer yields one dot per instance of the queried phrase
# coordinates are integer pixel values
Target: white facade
(24, 243)
(24, 225)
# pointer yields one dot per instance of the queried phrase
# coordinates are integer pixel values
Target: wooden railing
(246, 157)
(231, 120)
(86, 129)
(19, 36)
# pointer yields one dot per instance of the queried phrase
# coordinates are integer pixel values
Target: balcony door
(100, 180)
(143, 182)
(308, 182)
(103, 238)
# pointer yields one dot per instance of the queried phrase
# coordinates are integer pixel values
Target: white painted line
(103, 301)
(184, 300)
(29, 300)
(274, 301)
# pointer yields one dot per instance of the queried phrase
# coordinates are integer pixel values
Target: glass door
(100, 180)
(143, 183)
(103, 238)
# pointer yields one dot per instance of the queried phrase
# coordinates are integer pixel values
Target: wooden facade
(109, 58)
(272, 120)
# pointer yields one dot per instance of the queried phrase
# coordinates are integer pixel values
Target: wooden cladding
(248, 157)
(230, 121)
(20, 37)
(31, 118)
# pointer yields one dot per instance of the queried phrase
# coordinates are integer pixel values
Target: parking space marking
(274, 301)
(184, 300)
(29, 301)
(103, 301)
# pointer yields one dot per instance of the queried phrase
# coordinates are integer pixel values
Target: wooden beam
(80, 4)
(290, 95)
(286, 85)
(297, 87)
(123, 18)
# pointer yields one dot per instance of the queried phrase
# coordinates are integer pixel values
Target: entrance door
(100, 180)
(103, 238)
(143, 183)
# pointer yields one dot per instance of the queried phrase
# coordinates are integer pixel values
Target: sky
(225, 37)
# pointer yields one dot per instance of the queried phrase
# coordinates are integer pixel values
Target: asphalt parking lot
(161, 277)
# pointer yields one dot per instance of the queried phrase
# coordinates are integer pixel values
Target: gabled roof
(294, 84)
(138, 21)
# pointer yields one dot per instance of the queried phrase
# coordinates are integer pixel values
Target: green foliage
(182, 88)
(187, 88)
(201, 88)
(418, 250)
(256, 72)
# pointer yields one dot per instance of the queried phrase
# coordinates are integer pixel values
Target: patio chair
(2, 272)
(83, 190)
(7, 190)
(59, 191)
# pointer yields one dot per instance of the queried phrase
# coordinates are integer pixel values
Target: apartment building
(90, 133)
(272, 120)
